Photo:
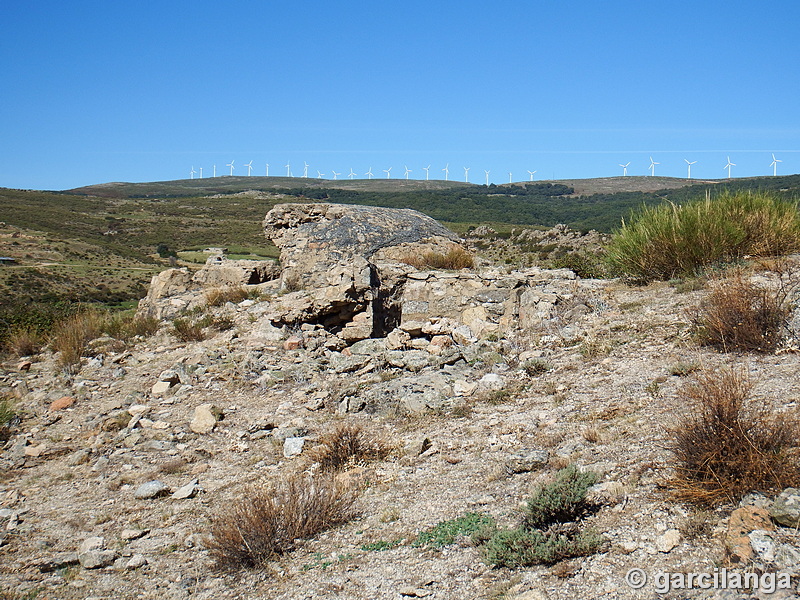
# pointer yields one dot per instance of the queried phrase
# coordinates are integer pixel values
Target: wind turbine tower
(305, 169)
(774, 165)
(532, 173)
(446, 171)
(201, 172)
(249, 168)
(352, 173)
(407, 172)
(466, 174)
(267, 169)
(288, 169)
(689, 168)
(624, 168)
(192, 172)
(215, 170)
(369, 173)
(230, 164)
(652, 167)
(320, 174)
(509, 177)
(387, 171)
(728, 166)
(426, 169)
(487, 177)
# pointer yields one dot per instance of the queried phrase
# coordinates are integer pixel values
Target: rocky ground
(77, 522)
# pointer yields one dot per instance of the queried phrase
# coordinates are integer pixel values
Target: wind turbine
(352, 173)
(201, 172)
(267, 169)
(446, 171)
(689, 167)
(192, 172)
(335, 174)
(625, 168)
(249, 168)
(215, 170)
(320, 174)
(532, 174)
(652, 167)
(230, 164)
(407, 172)
(305, 169)
(466, 174)
(774, 165)
(387, 171)
(288, 170)
(728, 166)
(487, 177)
(509, 177)
(426, 169)
(369, 173)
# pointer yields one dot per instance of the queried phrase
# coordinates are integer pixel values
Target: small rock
(79, 457)
(96, 559)
(742, 522)
(151, 489)
(417, 447)
(492, 382)
(205, 418)
(667, 541)
(763, 544)
(160, 388)
(24, 365)
(186, 491)
(59, 561)
(133, 534)
(35, 451)
(136, 561)
(293, 446)
(786, 508)
(527, 460)
(294, 342)
(62, 403)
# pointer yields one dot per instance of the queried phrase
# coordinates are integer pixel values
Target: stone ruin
(341, 278)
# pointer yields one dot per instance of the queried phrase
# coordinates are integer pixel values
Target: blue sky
(93, 92)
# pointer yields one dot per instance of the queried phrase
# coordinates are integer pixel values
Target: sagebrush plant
(741, 315)
(187, 330)
(347, 444)
(265, 522)
(551, 529)
(729, 444)
(220, 296)
(446, 532)
(456, 258)
(668, 241)
(71, 336)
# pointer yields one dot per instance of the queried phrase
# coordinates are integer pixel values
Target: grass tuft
(670, 241)
(345, 445)
(267, 522)
(455, 259)
(729, 445)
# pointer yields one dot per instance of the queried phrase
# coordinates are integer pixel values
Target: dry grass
(267, 522)
(220, 296)
(24, 341)
(71, 336)
(739, 315)
(729, 445)
(348, 444)
(188, 331)
(455, 259)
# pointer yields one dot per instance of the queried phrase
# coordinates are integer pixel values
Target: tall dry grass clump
(71, 336)
(729, 444)
(740, 315)
(348, 444)
(668, 241)
(267, 522)
(454, 259)
(24, 341)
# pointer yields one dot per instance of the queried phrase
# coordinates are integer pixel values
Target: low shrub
(668, 241)
(71, 336)
(267, 522)
(729, 445)
(220, 296)
(187, 330)
(585, 265)
(345, 445)
(550, 530)
(24, 341)
(741, 315)
(446, 532)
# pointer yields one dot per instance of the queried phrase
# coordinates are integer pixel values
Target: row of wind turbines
(689, 163)
(369, 174)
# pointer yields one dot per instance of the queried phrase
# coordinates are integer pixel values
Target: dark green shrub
(523, 547)
(446, 532)
(188, 331)
(560, 501)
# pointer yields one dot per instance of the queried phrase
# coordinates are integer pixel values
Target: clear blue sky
(93, 92)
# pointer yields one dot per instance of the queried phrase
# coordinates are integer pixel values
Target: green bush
(446, 532)
(560, 501)
(669, 241)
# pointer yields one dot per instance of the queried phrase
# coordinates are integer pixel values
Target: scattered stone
(417, 447)
(62, 403)
(35, 451)
(294, 342)
(492, 382)
(529, 459)
(293, 446)
(133, 534)
(786, 508)
(24, 365)
(160, 388)
(97, 559)
(59, 561)
(186, 491)
(205, 418)
(668, 540)
(742, 522)
(763, 545)
(151, 489)
(136, 561)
